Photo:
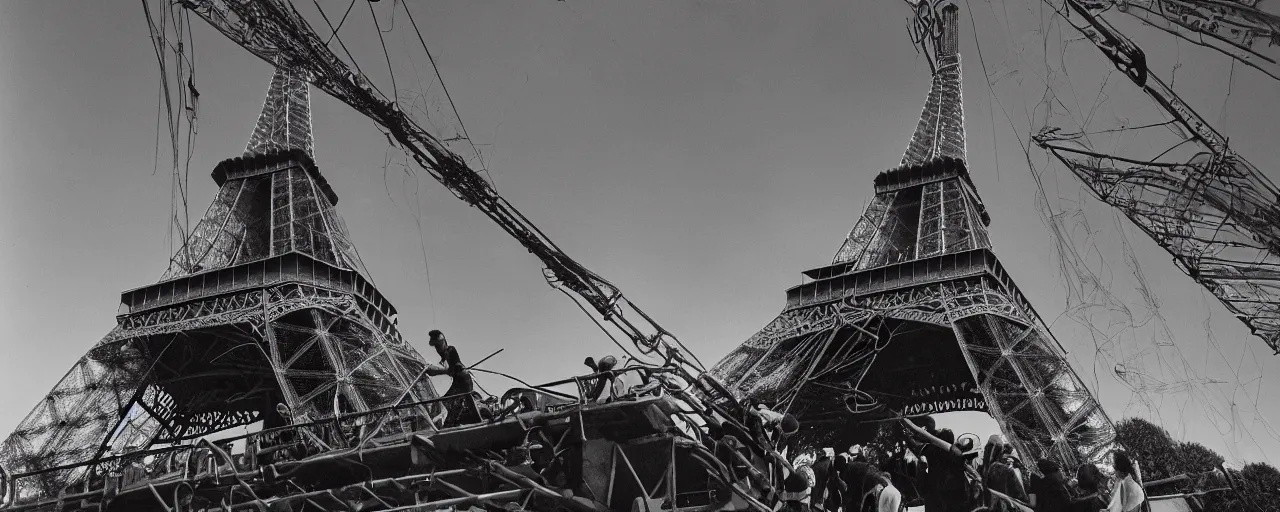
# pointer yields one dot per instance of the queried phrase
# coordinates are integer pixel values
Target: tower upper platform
(273, 208)
(928, 205)
(273, 200)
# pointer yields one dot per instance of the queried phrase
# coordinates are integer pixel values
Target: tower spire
(940, 132)
(285, 121)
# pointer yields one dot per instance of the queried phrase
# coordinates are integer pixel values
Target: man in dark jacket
(450, 364)
(821, 473)
(1050, 490)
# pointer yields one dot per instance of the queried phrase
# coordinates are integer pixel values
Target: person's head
(1089, 477)
(607, 363)
(841, 463)
(1010, 457)
(946, 435)
(1050, 470)
(789, 424)
(795, 487)
(1122, 463)
(990, 453)
(437, 340)
(927, 423)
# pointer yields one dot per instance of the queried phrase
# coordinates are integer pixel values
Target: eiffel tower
(266, 304)
(916, 315)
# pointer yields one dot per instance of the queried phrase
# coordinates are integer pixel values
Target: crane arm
(1232, 27)
(1215, 214)
(275, 32)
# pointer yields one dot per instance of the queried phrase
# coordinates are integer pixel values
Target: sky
(698, 154)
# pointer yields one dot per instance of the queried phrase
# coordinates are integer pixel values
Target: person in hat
(971, 477)
(606, 386)
(770, 425)
(450, 364)
(795, 492)
(945, 487)
(968, 447)
(999, 474)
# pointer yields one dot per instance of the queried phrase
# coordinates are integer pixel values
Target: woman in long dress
(1127, 496)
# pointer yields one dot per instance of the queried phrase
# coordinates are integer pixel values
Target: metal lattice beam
(1216, 214)
(1235, 28)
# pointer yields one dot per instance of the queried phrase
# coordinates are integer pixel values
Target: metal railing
(287, 443)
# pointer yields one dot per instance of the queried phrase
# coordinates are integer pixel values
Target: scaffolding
(533, 448)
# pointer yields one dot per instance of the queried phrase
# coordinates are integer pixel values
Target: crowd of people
(947, 474)
(932, 465)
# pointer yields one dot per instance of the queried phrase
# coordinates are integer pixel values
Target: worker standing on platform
(450, 364)
(769, 425)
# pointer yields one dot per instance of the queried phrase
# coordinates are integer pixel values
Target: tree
(1261, 483)
(1194, 458)
(1159, 457)
(1151, 445)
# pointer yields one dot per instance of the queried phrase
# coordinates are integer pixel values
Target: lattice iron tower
(265, 314)
(916, 315)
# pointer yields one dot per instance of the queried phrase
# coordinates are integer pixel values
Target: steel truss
(1216, 214)
(114, 398)
(1027, 385)
(1236, 28)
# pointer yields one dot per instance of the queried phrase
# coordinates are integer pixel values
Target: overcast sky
(698, 154)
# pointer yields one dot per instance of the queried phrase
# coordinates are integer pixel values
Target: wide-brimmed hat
(968, 445)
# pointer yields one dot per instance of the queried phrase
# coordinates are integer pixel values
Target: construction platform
(538, 449)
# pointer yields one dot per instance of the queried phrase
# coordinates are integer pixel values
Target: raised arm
(932, 439)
